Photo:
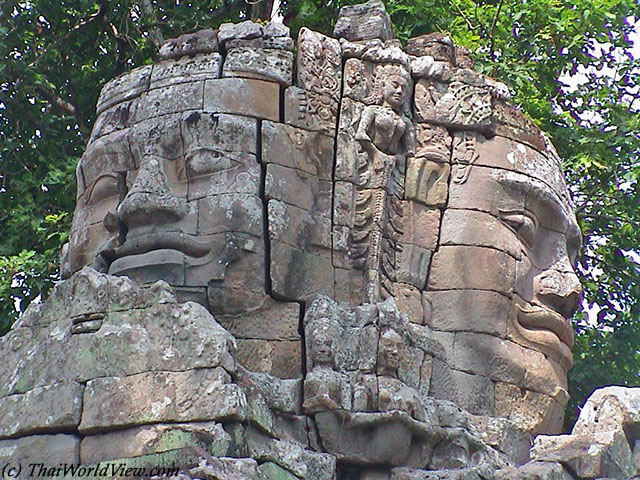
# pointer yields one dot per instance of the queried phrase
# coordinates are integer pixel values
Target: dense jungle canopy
(57, 55)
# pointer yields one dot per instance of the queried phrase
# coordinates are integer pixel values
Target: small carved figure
(386, 136)
(323, 385)
(393, 393)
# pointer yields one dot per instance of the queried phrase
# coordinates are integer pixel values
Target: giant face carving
(175, 198)
(502, 282)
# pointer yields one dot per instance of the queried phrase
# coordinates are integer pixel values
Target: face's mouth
(547, 329)
(177, 241)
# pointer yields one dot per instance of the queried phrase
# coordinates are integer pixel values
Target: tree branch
(493, 26)
(102, 10)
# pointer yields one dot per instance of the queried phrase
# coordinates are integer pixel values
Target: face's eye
(104, 187)
(524, 224)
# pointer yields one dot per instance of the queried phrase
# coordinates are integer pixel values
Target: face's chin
(545, 329)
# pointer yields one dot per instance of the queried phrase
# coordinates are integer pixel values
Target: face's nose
(149, 200)
(559, 288)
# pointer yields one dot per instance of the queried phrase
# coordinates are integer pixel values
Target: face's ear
(65, 266)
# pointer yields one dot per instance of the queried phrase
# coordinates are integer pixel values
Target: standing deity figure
(386, 136)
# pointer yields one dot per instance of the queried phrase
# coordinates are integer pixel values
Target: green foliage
(56, 55)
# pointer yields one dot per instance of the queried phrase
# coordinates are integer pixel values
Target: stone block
(489, 356)
(271, 471)
(596, 455)
(351, 284)
(412, 265)
(500, 152)
(310, 110)
(543, 373)
(86, 242)
(535, 471)
(610, 408)
(427, 182)
(282, 395)
(293, 147)
(294, 428)
(290, 456)
(429, 68)
(49, 450)
(244, 31)
(226, 468)
(124, 87)
(344, 204)
(241, 177)
(404, 473)
(299, 228)
(488, 189)
(319, 64)
(298, 188)
(363, 22)
(273, 320)
(503, 435)
(231, 212)
(50, 408)
(435, 45)
(202, 41)
(186, 69)
(118, 117)
(271, 64)
(243, 96)
(149, 439)
(296, 274)
(459, 104)
(420, 225)
(510, 122)
(106, 155)
(161, 140)
(156, 397)
(484, 269)
(215, 142)
(409, 301)
(473, 393)
(147, 267)
(282, 358)
(532, 411)
(469, 227)
(170, 99)
(433, 143)
(478, 311)
(348, 153)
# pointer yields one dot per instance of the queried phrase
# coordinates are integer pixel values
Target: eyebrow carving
(540, 197)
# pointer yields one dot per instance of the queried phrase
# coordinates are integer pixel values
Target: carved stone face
(175, 198)
(395, 91)
(503, 280)
(321, 349)
(390, 352)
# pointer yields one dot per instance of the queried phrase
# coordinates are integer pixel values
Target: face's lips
(160, 241)
(546, 328)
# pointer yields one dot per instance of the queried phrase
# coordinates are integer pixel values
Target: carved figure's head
(321, 349)
(395, 92)
(394, 85)
(390, 352)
